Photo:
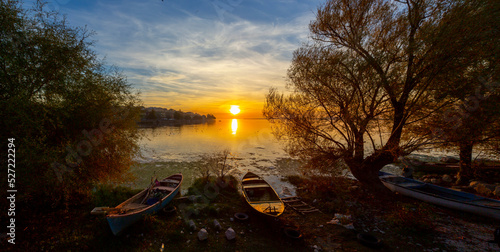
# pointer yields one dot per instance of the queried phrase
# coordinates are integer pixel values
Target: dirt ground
(402, 224)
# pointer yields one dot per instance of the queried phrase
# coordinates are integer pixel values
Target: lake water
(171, 149)
(253, 147)
(245, 138)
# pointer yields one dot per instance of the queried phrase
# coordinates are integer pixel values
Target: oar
(149, 189)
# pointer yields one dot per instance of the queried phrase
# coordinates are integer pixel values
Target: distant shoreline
(160, 123)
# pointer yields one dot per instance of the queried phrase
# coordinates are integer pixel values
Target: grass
(399, 222)
(76, 229)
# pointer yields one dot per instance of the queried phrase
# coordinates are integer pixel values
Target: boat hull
(442, 196)
(261, 196)
(119, 222)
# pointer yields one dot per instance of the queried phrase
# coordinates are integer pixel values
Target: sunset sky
(201, 56)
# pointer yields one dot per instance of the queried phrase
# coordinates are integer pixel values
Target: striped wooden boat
(261, 196)
(442, 196)
(148, 201)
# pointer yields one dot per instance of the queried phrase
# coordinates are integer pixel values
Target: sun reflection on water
(234, 126)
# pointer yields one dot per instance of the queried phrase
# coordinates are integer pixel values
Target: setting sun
(235, 109)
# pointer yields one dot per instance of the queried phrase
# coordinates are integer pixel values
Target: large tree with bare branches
(372, 68)
(471, 89)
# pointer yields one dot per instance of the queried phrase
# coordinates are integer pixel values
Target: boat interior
(140, 201)
(261, 193)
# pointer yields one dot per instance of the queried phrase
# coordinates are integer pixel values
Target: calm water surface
(250, 141)
(245, 138)
(171, 149)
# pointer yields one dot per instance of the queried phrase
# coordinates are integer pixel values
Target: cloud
(181, 57)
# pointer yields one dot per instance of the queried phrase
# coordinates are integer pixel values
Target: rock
(482, 189)
(194, 198)
(342, 216)
(217, 225)
(349, 226)
(497, 191)
(334, 221)
(230, 234)
(491, 187)
(203, 234)
(474, 183)
(435, 181)
(286, 191)
(446, 178)
(192, 225)
(231, 219)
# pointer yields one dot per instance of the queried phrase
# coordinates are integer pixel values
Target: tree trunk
(359, 148)
(367, 171)
(465, 173)
(392, 144)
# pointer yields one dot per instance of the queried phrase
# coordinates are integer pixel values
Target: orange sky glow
(195, 58)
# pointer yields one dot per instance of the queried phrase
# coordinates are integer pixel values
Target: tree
(151, 115)
(471, 89)
(215, 163)
(373, 66)
(178, 115)
(73, 118)
(335, 103)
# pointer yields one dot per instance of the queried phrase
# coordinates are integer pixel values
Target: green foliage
(212, 187)
(73, 118)
(108, 195)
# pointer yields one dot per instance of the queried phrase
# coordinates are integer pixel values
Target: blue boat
(148, 201)
(442, 196)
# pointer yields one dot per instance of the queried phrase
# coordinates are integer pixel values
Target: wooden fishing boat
(442, 196)
(261, 196)
(148, 201)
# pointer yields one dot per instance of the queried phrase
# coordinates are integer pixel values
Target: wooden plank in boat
(164, 188)
(132, 206)
(170, 181)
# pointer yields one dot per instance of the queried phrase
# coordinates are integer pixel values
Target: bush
(107, 195)
(74, 117)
